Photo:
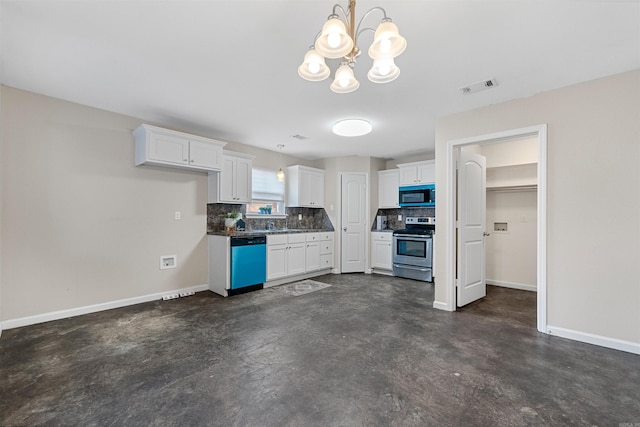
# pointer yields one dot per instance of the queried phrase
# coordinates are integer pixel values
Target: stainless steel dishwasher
(248, 263)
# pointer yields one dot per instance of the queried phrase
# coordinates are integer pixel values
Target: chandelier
(338, 39)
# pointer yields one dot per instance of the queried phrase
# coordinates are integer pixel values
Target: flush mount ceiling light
(338, 39)
(352, 127)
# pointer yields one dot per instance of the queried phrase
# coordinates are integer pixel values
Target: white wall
(593, 245)
(519, 151)
(82, 225)
(511, 255)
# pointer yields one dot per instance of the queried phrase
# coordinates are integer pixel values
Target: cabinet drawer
(326, 247)
(385, 237)
(326, 261)
(296, 238)
(276, 239)
(326, 235)
(313, 237)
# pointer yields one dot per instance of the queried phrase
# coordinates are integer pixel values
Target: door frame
(540, 132)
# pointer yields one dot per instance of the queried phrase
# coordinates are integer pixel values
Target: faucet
(270, 225)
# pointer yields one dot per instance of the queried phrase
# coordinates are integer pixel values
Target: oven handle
(408, 267)
(413, 236)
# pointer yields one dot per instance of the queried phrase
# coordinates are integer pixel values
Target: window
(267, 193)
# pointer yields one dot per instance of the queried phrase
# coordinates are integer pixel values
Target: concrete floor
(367, 351)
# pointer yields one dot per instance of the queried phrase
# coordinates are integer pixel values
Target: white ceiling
(228, 68)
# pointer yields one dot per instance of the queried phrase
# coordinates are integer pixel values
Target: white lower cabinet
(381, 250)
(298, 253)
(326, 251)
(319, 251)
(285, 255)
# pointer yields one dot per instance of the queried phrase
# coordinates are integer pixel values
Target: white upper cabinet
(305, 187)
(164, 147)
(417, 173)
(388, 182)
(233, 183)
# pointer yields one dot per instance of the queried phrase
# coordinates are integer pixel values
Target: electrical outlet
(178, 215)
(186, 294)
(170, 296)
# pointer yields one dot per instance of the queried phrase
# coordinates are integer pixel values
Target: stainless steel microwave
(417, 195)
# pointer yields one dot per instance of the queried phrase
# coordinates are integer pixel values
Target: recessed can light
(352, 127)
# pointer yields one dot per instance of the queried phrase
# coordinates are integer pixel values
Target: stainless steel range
(413, 249)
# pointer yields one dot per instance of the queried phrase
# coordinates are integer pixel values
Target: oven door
(412, 249)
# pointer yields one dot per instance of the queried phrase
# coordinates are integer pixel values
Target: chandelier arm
(362, 31)
(345, 15)
(369, 12)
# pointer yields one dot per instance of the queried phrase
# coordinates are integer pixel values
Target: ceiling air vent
(300, 137)
(479, 86)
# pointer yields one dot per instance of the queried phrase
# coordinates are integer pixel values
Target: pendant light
(280, 173)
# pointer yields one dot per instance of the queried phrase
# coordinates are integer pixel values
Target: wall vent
(479, 86)
(300, 137)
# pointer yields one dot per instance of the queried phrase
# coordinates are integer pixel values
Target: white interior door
(354, 222)
(472, 203)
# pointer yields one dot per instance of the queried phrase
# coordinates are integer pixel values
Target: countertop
(384, 230)
(265, 232)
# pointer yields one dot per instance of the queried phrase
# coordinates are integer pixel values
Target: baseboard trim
(78, 311)
(441, 306)
(521, 286)
(614, 343)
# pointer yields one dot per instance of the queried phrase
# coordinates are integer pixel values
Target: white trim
(614, 343)
(540, 131)
(512, 285)
(441, 306)
(78, 311)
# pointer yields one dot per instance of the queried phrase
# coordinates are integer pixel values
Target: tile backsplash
(392, 216)
(312, 218)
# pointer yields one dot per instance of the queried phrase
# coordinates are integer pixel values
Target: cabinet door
(205, 155)
(427, 173)
(169, 149)
(381, 254)
(311, 189)
(243, 180)
(408, 175)
(388, 183)
(296, 258)
(276, 261)
(316, 182)
(225, 184)
(312, 256)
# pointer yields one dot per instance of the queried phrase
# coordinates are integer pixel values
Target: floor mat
(302, 287)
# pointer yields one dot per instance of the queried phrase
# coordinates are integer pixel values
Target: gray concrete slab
(367, 351)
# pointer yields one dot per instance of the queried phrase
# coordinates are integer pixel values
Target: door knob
(486, 234)
(344, 229)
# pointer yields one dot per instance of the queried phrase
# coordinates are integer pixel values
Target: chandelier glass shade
(338, 39)
(313, 67)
